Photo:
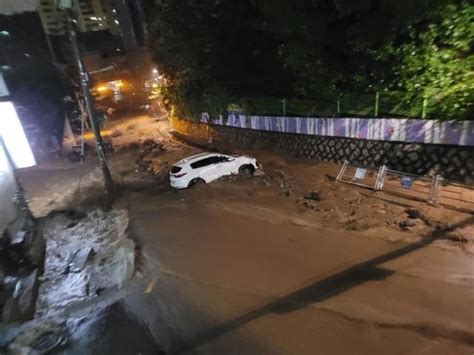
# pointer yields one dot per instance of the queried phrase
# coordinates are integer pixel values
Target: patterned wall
(386, 129)
(453, 162)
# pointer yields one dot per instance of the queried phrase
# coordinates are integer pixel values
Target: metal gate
(417, 187)
(431, 189)
(361, 176)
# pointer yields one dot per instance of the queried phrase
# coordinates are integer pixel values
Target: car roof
(194, 158)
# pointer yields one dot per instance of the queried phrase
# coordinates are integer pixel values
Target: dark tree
(216, 52)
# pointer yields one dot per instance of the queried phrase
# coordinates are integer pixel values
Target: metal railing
(417, 187)
(432, 189)
(360, 176)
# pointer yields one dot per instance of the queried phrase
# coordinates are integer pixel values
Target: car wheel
(196, 182)
(246, 169)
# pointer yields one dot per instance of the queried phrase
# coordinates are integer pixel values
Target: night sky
(12, 6)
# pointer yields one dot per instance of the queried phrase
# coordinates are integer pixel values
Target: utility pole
(84, 79)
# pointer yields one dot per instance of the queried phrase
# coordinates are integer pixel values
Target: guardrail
(432, 189)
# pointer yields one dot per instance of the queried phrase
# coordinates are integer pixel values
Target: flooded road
(249, 266)
(232, 277)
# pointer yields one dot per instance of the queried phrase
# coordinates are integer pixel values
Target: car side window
(202, 163)
(221, 159)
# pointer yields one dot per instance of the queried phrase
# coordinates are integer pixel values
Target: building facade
(109, 32)
(96, 23)
(90, 16)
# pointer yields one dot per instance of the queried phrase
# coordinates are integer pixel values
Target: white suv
(207, 167)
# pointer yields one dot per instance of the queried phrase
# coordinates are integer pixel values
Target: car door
(225, 165)
(206, 169)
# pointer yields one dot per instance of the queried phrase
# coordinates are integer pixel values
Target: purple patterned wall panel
(414, 131)
(388, 129)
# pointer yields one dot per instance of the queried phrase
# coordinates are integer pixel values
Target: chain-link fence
(376, 104)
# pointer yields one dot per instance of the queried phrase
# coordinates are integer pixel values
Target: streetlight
(66, 6)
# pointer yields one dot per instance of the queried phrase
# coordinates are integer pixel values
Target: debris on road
(85, 258)
(259, 172)
(150, 149)
(408, 224)
(21, 258)
(413, 213)
(22, 305)
(36, 337)
(313, 195)
(79, 259)
(456, 237)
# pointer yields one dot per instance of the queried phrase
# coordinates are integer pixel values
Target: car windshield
(175, 169)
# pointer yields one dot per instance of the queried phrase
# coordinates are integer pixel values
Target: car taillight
(179, 175)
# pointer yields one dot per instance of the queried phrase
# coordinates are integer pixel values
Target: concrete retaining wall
(452, 162)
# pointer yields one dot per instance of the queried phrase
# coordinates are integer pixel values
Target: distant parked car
(206, 167)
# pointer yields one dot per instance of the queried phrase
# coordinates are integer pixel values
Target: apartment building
(90, 16)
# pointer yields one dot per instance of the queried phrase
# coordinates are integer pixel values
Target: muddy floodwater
(287, 262)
